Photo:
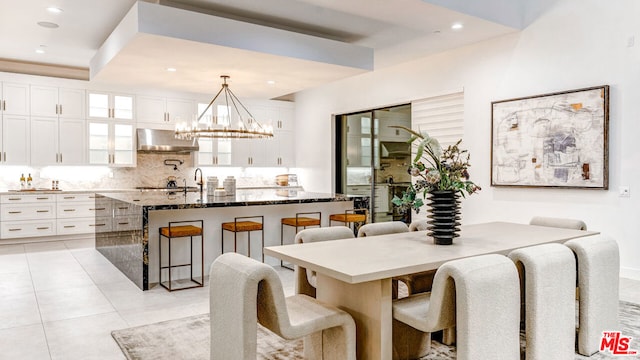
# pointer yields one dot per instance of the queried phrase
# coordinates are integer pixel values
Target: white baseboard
(630, 273)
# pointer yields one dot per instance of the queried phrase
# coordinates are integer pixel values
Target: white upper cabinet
(111, 143)
(53, 101)
(14, 140)
(388, 119)
(163, 113)
(58, 141)
(14, 99)
(104, 105)
(14, 124)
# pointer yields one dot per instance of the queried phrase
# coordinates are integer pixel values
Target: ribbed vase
(444, 212)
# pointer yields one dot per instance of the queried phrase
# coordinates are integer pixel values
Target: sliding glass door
(372, 158)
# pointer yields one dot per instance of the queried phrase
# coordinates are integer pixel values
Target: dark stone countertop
(154, 200)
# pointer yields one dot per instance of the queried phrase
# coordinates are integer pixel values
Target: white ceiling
(397, 31)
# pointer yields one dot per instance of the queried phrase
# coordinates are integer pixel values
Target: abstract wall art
(557, 140)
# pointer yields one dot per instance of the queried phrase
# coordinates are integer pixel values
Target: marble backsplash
(149, 171)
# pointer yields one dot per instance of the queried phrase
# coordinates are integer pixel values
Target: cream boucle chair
(479, 295)
(419, 225)
(558, 222)
(415, 283)
(598, 260)
(244, 292)
(306, 279)
(548, 279)
(382, 228)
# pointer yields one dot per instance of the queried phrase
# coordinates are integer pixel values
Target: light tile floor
(61, 300)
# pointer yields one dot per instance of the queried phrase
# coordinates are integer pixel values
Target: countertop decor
(442, 176)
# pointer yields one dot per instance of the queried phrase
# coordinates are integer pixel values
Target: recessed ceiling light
(271, 82)
(171, 69)
(456, 26)
(53, 9)
(48, 25)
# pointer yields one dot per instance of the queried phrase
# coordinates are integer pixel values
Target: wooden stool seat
(242, 226)
(181, 231)
(348, 218)
(301, 221)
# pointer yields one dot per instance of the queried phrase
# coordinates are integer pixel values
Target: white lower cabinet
(27, 228)
(23, 216)
(27, 215)
(76, 213)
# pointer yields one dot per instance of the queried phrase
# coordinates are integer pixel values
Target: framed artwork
(557, 140)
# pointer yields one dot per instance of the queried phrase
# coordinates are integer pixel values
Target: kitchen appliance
(164, 141)
(394, 149)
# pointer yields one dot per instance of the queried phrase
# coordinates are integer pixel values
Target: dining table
(355, 274)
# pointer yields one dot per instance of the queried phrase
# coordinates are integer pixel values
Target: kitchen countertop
(158, 200)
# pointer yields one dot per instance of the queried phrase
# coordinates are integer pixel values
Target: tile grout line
(35, 294)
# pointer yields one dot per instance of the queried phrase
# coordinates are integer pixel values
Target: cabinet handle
(69, 210)
(69, 197)
(123, 208)
(15, 229)
(69, 226)
(15, 199)
(97, 209)
(60, 109)
(4, 105)
(15, 212)
(97, 224)
(123, 223)
(61, 158)
(43, 228)
(57, 158)
(43, 211)
(5, 156)
(42, 198)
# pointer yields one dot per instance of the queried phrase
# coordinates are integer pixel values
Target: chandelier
(228, 120)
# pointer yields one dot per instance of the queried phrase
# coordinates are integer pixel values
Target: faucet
(195, 177)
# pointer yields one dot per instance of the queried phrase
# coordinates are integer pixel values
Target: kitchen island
(128, 238)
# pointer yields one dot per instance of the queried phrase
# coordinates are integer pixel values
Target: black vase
(444, 213)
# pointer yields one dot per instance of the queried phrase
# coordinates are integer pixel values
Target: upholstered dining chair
(547, 284)
(419, 225)
(598, 259)
(478, 295)
(558, 222)
(419, 282)
(245, 292)
(306, 279)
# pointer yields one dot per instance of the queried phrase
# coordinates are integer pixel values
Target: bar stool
(172, 231)
(349, 217)
(244, 226)
(299, 221)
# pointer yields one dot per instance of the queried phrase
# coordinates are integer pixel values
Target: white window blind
(442, 117)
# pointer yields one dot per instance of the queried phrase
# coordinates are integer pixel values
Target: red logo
(616, 343)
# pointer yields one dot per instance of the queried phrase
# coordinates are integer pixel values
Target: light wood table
(355, 274)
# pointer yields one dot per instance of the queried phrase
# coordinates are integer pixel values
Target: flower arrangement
(437, 169)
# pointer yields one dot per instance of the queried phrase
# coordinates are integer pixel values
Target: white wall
(575, 44)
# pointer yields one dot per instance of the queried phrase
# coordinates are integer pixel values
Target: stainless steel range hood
(153, 140)
(392, 149)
